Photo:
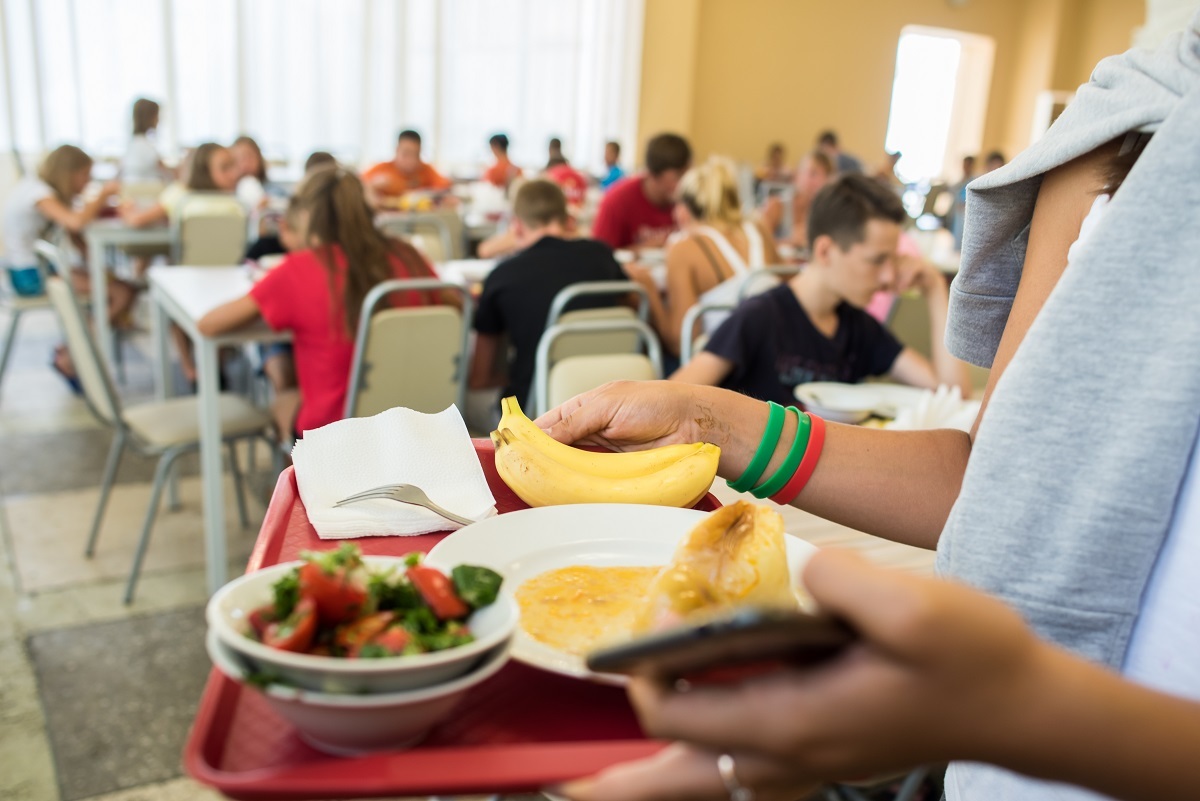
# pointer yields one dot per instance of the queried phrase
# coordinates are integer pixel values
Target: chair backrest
(142, 192)
(581, 343)
(592, 369)
(445, 226)
(412, 356)
(758, 281)
(206, 237)
(432, 246)
(97, 385)
(689, 343)
(908, 321)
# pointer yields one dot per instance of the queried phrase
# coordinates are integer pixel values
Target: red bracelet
(816, 441)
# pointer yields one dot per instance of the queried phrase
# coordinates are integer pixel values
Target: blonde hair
(60, 166)
(710, 193)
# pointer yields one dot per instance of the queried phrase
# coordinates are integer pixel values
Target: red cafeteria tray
(520, 731)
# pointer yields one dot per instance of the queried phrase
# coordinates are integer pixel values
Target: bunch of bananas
(544, 472)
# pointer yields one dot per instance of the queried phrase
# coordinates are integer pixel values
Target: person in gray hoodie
(1076, 500)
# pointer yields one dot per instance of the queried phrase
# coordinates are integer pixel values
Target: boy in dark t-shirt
(813, 328)
(518, 293)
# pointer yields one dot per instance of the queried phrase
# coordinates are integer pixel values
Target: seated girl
(35, 207)
(717, 248)
(212, 171)
(317, 294)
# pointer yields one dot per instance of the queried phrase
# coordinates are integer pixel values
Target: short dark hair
(667, 151)
(145, 115)
(500, 141)
(996, 155)
(556, 143)
(843, 208)
(828, 138)
(410, 135)
(318, 158)
(616, 146)
(539, 203)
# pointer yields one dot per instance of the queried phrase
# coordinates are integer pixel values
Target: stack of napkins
(944, 408)
(399, 446)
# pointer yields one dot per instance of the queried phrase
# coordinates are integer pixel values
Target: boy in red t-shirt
(637, 212)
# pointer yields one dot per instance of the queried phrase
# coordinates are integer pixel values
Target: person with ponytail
(717, 249)
(317, 293)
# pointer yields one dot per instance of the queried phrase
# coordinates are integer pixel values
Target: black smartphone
(753, 638)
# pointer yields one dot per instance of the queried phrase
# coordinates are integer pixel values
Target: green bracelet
(766, 449)
(775, 483)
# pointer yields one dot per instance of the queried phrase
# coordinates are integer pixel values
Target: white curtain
(344, 76)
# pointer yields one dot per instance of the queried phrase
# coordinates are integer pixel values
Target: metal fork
(405, 493)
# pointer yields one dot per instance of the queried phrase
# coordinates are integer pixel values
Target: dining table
(102, 236)
(183, 295)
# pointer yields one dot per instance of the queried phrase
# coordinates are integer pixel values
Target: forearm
(1124, 740)
(894, 484)
(949, 370)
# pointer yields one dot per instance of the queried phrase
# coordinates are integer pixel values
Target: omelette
(735, 557)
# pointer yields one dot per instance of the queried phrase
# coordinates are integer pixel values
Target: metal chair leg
(110, 474)
(8, 343)
(238, 484)
(160, 478)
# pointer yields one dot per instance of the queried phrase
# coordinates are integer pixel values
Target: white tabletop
(199, 290)
(465, 271)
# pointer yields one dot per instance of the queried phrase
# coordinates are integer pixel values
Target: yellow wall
(735, 75)
(668, 69)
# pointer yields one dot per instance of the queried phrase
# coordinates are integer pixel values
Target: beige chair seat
(575, 375)
(23, 303)
(176, 421)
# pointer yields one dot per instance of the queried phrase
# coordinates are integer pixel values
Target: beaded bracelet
(792, 462)
(766, 448)
(804, 472)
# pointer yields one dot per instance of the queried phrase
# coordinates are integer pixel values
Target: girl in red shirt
(317, 294)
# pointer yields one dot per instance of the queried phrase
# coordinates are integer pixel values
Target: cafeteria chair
(578, 343)
(166, 429)
(207, 237)
(412, 356)
(555, 381)
(765, 278)
(445, 226)
(17, 307)
(689, 343)
(908, 320)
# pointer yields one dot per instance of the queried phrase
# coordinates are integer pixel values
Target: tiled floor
(53, 601)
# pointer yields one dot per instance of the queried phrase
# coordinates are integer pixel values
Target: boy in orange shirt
(405, 173)
(503, 172)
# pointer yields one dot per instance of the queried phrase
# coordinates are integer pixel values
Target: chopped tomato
(296, 631)
(351, 637)
(337, 587)
(437, 591)
(393, 640)
(260, 618)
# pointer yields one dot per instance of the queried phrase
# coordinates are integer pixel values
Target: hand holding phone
(748, 638)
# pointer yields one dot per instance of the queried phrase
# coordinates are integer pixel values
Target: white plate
(524, 544)
(853, 403)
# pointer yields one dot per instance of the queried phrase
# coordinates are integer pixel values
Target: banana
(603, 465)
(540, 480)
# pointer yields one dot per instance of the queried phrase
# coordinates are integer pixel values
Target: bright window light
(922, 103)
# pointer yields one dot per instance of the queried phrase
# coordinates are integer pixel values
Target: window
(939, 100)
(300, 75)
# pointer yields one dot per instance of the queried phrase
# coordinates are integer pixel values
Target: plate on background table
(524, 544)
(853, 403)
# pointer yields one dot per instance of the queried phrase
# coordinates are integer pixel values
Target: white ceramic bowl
(351, 724)
(230, 607)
